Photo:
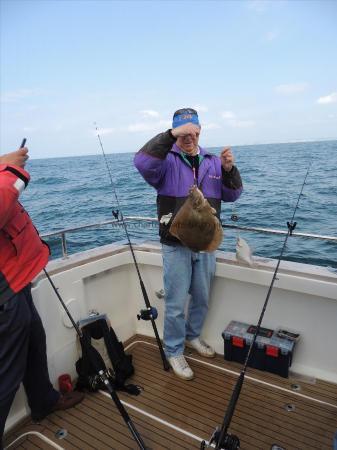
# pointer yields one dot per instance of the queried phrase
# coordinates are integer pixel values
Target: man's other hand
(17, 158)
(227, 159)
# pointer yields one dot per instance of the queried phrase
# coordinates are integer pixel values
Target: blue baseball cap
(183, 116)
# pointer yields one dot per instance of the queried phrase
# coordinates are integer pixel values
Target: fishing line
(97, 362)
(149, 313)
(222, 439)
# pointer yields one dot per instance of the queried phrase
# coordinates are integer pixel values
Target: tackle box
(272, 352)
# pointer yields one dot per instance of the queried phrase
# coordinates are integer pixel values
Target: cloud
(29, 129)
(259, 6)
(210, 126)
(137, 127)
(148, 126)
(291, 88)
(228, 115)
(272, 35)
(200, 108)
(103, 131)
(141, 126)
(149, 113)
(331, 98)
(233, 121)
(20, 94)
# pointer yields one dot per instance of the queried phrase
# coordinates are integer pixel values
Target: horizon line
(297, 141)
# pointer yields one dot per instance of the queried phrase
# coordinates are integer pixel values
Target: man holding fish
(190, 184)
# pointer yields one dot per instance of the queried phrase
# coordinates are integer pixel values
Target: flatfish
(243, 252)
(196, 224)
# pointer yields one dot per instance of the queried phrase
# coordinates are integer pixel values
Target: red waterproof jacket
(22, 253)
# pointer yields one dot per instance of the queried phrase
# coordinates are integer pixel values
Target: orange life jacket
(22, 253)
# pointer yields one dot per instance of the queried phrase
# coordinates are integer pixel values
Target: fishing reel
(148, 314)
(96, 381)
(115, 213)
(291, 227)
(229, 442)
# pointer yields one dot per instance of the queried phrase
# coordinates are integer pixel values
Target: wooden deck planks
(210, 382)
(197, 407)
(169, 441)
(319, 389)
(310, 426)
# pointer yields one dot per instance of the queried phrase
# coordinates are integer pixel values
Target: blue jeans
(335, 442)
(185, 272)
(23, 357)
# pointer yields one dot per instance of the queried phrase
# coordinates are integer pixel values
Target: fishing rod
(149, 313)
(221, 438)
(97, 361)
(99, 366)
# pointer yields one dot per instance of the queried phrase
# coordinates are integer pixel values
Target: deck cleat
(62, 433)
(289, 407)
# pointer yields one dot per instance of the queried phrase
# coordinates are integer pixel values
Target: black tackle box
(272, 352)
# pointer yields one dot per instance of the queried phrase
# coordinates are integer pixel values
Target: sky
(256, 71)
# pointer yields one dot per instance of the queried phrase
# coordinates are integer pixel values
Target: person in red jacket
(23, 255)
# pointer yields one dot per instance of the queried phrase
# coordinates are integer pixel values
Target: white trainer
(180, 367)
(201, 347)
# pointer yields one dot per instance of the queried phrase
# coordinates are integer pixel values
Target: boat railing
(62, 233)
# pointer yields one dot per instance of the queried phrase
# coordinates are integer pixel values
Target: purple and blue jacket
(163, 166)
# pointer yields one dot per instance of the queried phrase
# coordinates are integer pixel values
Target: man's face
(189, 142)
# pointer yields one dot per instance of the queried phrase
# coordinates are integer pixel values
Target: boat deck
(174, 414)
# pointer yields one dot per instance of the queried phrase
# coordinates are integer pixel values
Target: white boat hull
(304, 298)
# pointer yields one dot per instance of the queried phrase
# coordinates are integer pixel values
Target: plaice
(196, 224)
(243, 252)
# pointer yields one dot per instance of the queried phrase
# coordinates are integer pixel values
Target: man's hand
(17, 158)
(227, 159)
(184, 130)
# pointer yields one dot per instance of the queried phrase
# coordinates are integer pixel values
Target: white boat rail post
(99, 365)
(64, 245)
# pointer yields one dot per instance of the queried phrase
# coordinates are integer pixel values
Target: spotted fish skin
(196, 224)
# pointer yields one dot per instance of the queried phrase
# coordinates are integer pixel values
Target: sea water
(73, 191)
